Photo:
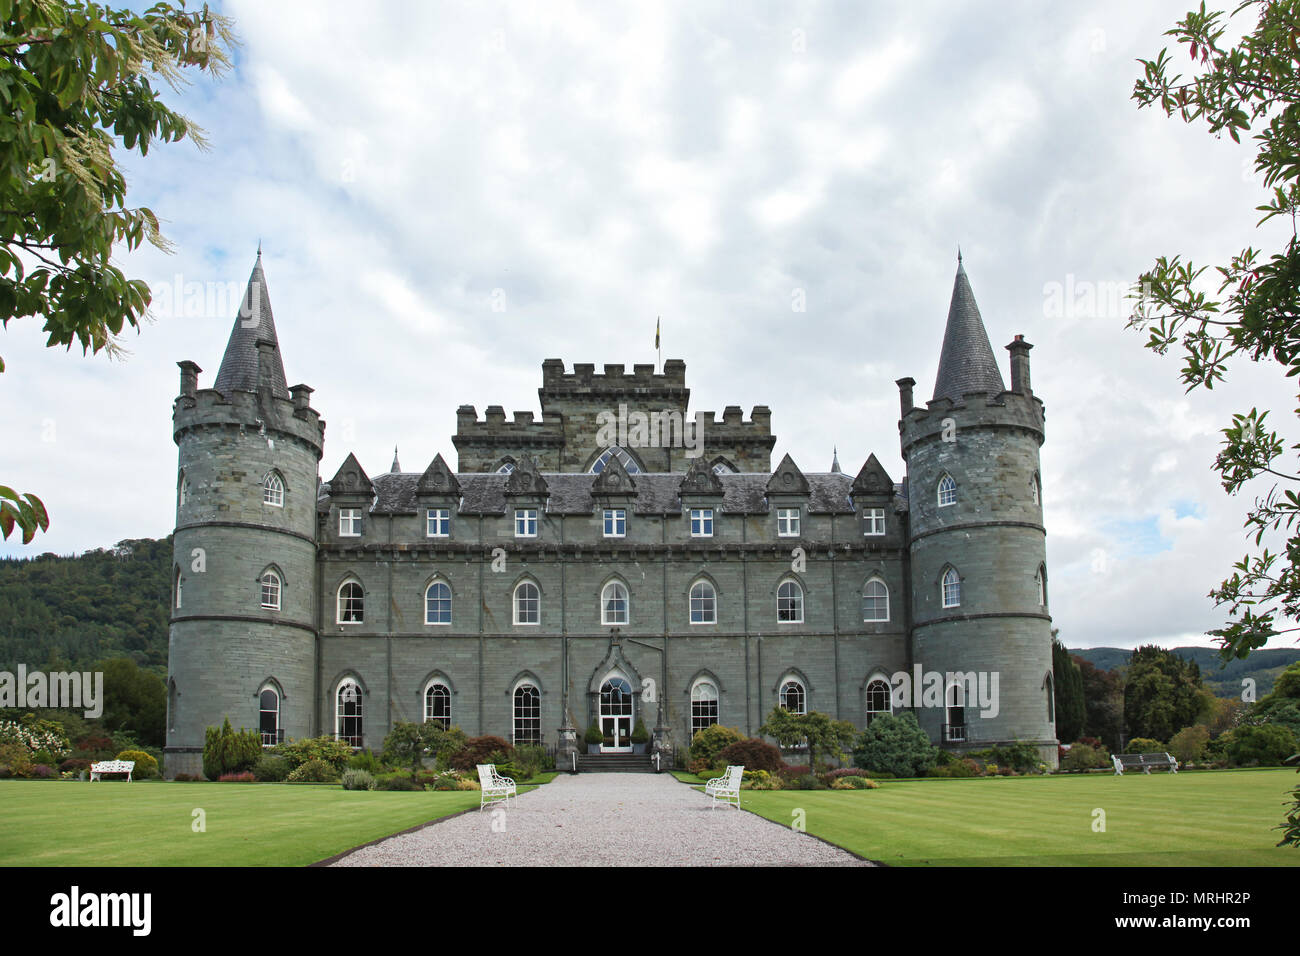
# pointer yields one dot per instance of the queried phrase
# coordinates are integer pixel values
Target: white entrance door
(616, 715)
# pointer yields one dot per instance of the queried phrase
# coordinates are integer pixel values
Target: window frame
(261, 709)
(788, 522)
(430, 696)
(526, 517)
(788, 682)
(360, 600)
(515, 604)
(353, 520)
(614, 522)
(875, 579)
(873, 522)
(278, 589)
(273, 490)
(950, 585)
(701, 721)
(797, 600)
(946, 491)
(359, 716)
(712, 600)
(437, 517)
(438, 583)
(533, 721)
(703, 518)
(605, 619)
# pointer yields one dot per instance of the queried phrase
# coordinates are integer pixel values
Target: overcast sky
(410, 168)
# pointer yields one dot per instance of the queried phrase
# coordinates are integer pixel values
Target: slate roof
(966, 363)
(484, 493)
(238, 372)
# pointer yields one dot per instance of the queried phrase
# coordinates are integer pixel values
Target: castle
(614, 562)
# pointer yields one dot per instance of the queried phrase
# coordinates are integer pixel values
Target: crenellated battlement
(260, 412)
(584, 379)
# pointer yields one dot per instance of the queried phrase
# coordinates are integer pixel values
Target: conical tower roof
(966, 363)
(254, 323)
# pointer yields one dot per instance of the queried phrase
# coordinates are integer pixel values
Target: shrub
(1266, 746)
(958, 767)
(1084, 757)
(367, 761)
(808, 781)
(477, 750)
(44, 757)
(760, 780)
(1144, 745)
(42, 771)
(96, 745)
(639, 734)
(74, 765)
(400, 782)
(854, 783)
(244, 776)
(708, 773)
(271, 769)
(225, 751)
(145, 765)
(358, 779)
(753, 753)
(314, 771)
(594, 734)
(711, 741)
(845, 772)
(324, 748)
(897, 745)
(187, 778)
(1188, 745)
(530, 759)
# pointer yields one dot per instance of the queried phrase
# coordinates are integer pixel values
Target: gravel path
(605, 819)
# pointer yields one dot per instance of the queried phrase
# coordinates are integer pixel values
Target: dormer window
(438, 523)
(350, 522)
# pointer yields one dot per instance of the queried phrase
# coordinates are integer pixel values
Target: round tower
(242, 641)
(977, 548)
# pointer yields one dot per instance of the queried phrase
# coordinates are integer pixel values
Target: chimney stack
(905, 395)
(1019, 350)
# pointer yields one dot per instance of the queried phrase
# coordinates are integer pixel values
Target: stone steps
(615, 763)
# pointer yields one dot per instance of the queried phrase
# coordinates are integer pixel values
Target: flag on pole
(656, 331)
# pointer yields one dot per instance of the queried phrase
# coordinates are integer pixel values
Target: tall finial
(835, 461)
(259, 248)
(958, 253)
(396, 469)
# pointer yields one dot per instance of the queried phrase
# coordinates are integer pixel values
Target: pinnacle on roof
(254, 323)
(396, 469)
(835, 461)
(966, 363)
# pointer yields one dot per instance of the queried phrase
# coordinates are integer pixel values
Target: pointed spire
(835, 461)
(966, 363)
(253, 324)
(396, 469)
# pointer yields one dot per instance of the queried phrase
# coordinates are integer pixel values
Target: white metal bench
(112, 766)
(1124, 762)
(494, 787)
(726, 788)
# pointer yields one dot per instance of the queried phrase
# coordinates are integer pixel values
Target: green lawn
(113, 823)
(1186, 819)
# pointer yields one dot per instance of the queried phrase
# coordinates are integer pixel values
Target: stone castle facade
(614, 562)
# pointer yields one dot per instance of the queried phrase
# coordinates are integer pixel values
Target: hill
(75, 610)
(1262, 665)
